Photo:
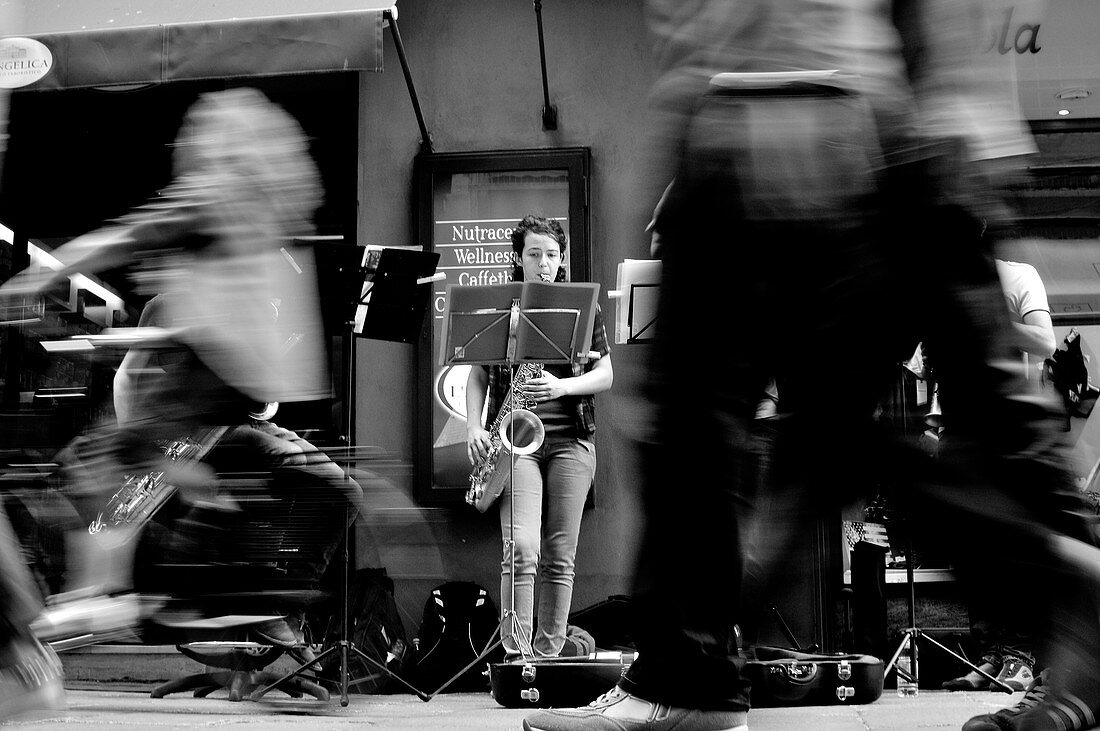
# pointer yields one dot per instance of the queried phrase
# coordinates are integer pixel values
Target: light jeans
(550, 488)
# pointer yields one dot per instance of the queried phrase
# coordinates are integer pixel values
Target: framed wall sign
(467, 206)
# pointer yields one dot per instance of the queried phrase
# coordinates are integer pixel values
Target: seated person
(214, 243)
(255, 444)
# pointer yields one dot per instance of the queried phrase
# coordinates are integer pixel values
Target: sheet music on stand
(637, 284)
(518, 322)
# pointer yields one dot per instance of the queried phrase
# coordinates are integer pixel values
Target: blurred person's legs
(188, 403)
(96, 597)
(30, 674)
(856, 304)
(1003, 477)
(805, 301)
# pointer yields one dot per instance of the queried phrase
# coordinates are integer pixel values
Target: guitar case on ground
(782, 677)
(558, 682)
(779, 677)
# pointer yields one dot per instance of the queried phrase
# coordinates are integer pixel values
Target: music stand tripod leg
(343, 645)
(1000, 685)
(481, 656)
(510, 615)
(525, 652)
(913, 633)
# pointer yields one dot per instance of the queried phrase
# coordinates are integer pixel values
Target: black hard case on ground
(782, 677)
(559, 682)
(779, 677)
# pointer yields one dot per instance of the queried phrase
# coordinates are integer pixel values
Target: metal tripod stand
(343, 647)
(509, 617)
(913, 633)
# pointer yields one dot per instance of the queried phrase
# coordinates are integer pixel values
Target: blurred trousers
(828, 285)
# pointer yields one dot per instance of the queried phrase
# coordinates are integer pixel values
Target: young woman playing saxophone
(561, 469)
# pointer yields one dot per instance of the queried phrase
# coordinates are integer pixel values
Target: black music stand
(510, 324)
(395, 293)
(393, 298)
(520, 322)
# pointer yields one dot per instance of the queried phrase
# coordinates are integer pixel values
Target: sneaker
(1006, 718)
(1015, 673)
(617, 710)
(1058, 710)
(87, 620)
(33, 683)
(972, 680)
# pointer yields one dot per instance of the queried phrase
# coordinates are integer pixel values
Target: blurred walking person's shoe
(617, 710)
(85, 620)
(1057, 712)
(1006, 717)
(1040, 709)
(33, 682)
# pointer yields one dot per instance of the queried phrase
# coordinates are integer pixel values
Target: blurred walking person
(840, 158)
(31, 676)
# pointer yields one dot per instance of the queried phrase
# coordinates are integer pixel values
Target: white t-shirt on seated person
(1024, 293)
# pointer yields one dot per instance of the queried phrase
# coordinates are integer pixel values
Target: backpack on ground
(460, 620)
(376, 630)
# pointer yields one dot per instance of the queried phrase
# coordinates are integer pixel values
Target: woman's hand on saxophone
(546, 387)
(478, 441)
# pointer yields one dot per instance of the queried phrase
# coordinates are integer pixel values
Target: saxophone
(516, 429)
(142, 495)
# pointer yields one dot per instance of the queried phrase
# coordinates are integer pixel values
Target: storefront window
(469, 205)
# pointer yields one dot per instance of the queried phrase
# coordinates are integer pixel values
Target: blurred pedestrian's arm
(98, 250)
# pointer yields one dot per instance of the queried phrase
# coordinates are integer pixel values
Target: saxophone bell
(521, 432)
(934, 418)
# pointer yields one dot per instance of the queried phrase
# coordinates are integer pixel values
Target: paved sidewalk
(121, 710)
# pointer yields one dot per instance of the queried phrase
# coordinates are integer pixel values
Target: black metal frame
(576, 162)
